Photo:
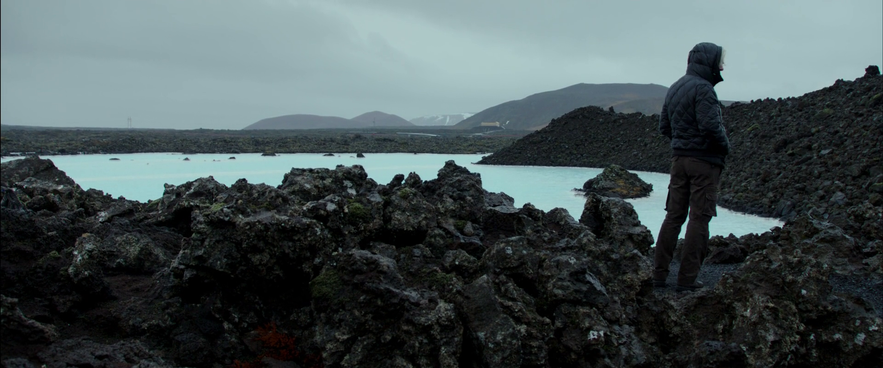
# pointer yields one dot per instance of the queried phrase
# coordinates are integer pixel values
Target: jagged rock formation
(617, 182)
(338, 270)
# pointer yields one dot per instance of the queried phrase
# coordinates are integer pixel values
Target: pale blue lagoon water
(141, 177)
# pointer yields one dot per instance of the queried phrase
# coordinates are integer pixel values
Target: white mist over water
(141, 177)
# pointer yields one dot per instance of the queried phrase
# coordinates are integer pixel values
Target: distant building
(489, 126)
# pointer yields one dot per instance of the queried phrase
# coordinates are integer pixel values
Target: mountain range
(305, 121)
(530, 113)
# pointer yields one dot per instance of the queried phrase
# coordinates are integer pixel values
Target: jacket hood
(704, 60)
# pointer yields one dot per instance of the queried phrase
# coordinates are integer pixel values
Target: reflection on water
(141, 177)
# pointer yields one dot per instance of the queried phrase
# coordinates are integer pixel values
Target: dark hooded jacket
(691, 115)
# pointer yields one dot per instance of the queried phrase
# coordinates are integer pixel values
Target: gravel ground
(870, 291)
(709, 275)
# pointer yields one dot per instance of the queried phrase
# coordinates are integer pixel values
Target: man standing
(691, 118)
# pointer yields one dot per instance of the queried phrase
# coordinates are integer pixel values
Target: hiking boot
(659, 283)
(692, 287)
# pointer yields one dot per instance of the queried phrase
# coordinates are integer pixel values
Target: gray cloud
(225, 64)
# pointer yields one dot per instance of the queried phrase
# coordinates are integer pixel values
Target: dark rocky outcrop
(39, 170)
(591, 137)
(617, 182)
(340, 271)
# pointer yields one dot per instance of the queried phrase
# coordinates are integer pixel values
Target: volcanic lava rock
(84, 352)
(23, 328)
(15, 171)
(802, 292)
(614, 218)
(332, 269)
(725, 251)
(10, 199)
(591, 137)
(617, 182)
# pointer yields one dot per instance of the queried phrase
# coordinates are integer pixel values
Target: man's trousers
(693, 189)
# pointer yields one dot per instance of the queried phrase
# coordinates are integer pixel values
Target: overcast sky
(224, 64)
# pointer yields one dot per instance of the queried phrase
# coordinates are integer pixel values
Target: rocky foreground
(330, 268)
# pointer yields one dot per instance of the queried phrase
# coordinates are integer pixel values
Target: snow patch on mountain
(440, 120)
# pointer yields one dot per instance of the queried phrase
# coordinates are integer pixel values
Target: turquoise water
(141, 177)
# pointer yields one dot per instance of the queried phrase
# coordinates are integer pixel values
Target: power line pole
(129, 123)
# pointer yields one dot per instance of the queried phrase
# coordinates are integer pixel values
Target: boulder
(10, 199)
(616, 219)
(315, 184)
(15, 171)
(617, 182)
(368, 315)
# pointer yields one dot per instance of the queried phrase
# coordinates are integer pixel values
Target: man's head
(707, 60)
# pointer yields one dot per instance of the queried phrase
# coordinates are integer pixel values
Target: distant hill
(377, 118)
(440, 120)
(305, 121)
(536, 111)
